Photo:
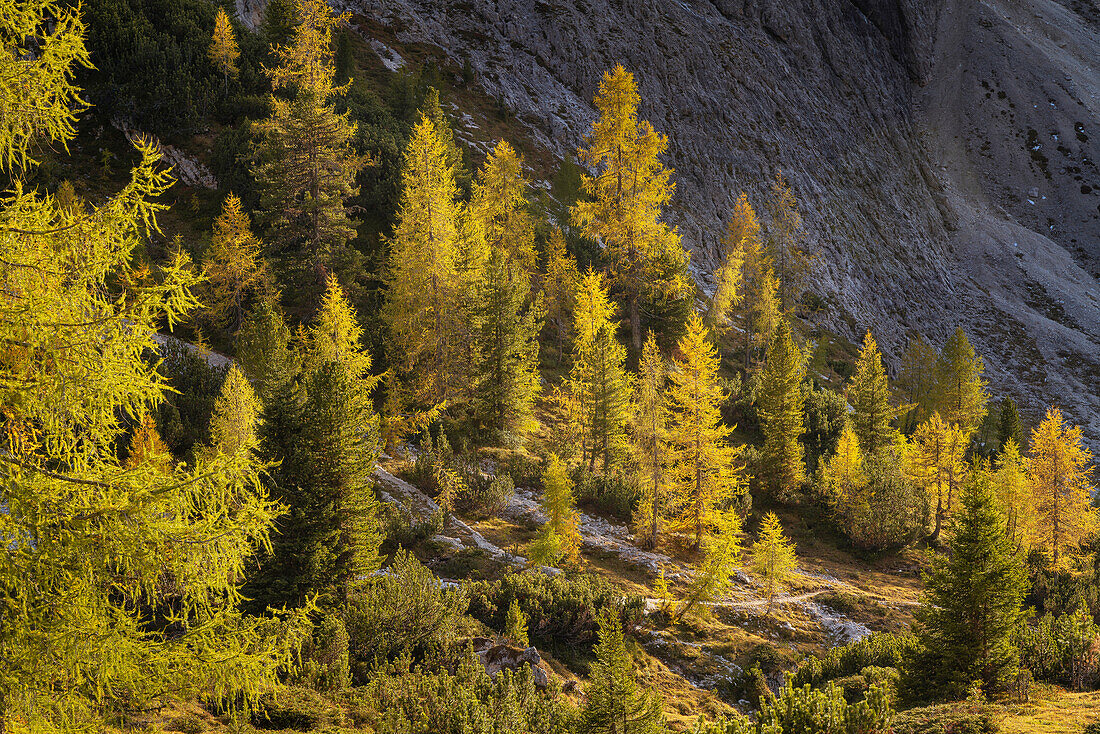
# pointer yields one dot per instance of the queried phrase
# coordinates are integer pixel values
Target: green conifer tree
(515, 625)
(616, 703)
(781, 415)
(1009, 427)
(972, 604)
(961, 396)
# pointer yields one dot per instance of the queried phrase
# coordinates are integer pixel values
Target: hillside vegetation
(342, 422)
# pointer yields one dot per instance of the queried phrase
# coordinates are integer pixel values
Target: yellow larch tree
(560, 537)
(651, 449)
(773, 557)
(916, 383)
(236, 417)
(598, 381)
(781, 415)
(559, 283)
(936, 464)
(869, 394)
(960, 391)
(740, 248)
(626, 195)
(421, 302)
(706, 475)
(499, 205)
(843, 476)
(233, 266)
(223, 51)
(1013, 487)
(721, 558)
(765, 313)
(1060, 469)
(147, 448)
(784, 234)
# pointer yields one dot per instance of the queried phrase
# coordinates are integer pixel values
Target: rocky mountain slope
(943, 151)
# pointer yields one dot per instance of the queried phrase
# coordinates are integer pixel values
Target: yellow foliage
(1014, 492)
(223, 51)
(936, 464)
(1060, 469)
(233, 265)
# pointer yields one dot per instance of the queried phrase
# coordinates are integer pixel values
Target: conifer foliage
(224, 51)
(233, 266)
(651, 448)
(773, 557)
(1060, 469)
(560, 537)
(616, 703)
(870, 396)
(781, 416)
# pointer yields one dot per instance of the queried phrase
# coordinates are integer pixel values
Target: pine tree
(937, 465)
(973, 597)
(515, 625)
(706, 476)
(870, 396)
(1009, 427)
(740, 243)
(233, 266)
(98, 553)
(1060, 469)
(223, 51)
(651, 447)
(626, 196)
(560, 536)
(1015, 495)
(422, 295)
(305, 167)
(615, 703)
(960, 390)
(559, 283)
(781, 415)
(773, 557)
(598, 381)
(790, 260)
(916, 382)
(714, 571)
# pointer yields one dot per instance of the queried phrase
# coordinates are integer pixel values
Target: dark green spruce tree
(1008, 424)
(616, 704)
(972, 600)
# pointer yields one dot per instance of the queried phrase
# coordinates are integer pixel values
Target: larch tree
(305, 166)
(598, 381)
(843, 474)
(223, 51)
(1060, 469)
(706, 475)
(1014, 492)
(508, 320)
(714, 571)
(147, 448)
(651, 448)
(615, 703)
(766, 312)
(739, 246)
(960, 390)
(559, 283)
(870, 397)
(236, 417)
(626, 196)
(232, 266)
(773, 557)
(92, 546)
(784, 243)
(560, 536)
(916, 383)
(781, 415)
(936, 463)
(972, 604)
(422, 295)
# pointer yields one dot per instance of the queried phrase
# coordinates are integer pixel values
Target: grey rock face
(911, 180)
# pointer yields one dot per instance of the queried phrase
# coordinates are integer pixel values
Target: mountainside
(888, 117)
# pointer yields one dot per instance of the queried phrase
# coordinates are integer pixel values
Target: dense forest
(204, 434)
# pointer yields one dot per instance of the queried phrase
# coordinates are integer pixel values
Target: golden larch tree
(223, 51)
(560, 537)
(626, 195)
(844, 479)
(960, 392)
(936, 464)
(784, 243)
(1060, 468)
(773, 557)
(233, 266)
(916, 383)
(1013, 487)
(559, 283)
(706, 475)
(651, 449)
(740, 244)
(766, 312)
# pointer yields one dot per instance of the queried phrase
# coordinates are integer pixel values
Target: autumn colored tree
(422, 296)
(706, 475)
(615, 703)
(598, 381)
(233, 266)
(773, 557)
(766, 312)
(305, 166)
(740, 246)
(560, 537)
(714, 571)
(236, 417)
(960, 390)
(781, 416)
(559, 283)
(651, 448)
(1060, 469)
(147, 448)
(1014, 493)
(223, 51)
(916, 383)
(784, 243)
(843, 475)
(870, 396)
(937, 465)
(500, 210)
(93, 545)
(626, 195)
